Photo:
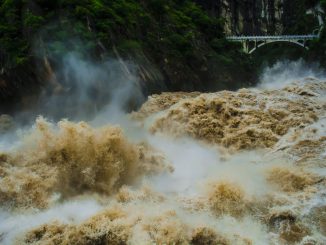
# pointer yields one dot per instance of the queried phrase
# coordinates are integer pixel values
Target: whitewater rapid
(243, 167)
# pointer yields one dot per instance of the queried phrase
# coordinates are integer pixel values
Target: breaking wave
(244, 167)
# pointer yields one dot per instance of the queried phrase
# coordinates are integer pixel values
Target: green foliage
(323, 4)
(11, 43)
(296, 19)
(318, 49)
(177, 36)
(127, 46)
(155, 24)
(32, 21)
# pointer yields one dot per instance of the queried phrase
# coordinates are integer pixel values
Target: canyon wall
(257, 17)
(175, 45)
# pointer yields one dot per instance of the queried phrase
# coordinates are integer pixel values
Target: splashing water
(244, 167)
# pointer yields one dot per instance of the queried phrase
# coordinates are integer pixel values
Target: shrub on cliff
(178, 37)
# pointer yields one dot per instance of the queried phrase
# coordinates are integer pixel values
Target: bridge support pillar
(245, 45)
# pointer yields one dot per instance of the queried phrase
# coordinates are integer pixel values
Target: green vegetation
(301, 23)
(297, 21)
(318, 48)
(179, 37)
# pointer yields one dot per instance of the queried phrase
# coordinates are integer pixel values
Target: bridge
(252, 43)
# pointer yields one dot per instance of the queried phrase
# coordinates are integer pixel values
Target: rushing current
(243, 167)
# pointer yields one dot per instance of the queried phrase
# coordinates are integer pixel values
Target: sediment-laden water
(244, 167)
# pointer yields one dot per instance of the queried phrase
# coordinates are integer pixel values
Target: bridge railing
(268, 38)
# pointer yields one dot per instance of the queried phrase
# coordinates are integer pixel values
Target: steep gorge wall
(174, 45)
(253, 16)
(257, 17)
(177, 45)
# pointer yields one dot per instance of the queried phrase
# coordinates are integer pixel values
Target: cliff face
(257, 17)
(177, 45)
(252, 16)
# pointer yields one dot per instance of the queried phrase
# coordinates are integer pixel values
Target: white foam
(72, 212)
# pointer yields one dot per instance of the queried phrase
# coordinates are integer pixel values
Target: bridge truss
(252, 43)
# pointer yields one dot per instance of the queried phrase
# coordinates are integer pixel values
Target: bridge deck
(272, 38)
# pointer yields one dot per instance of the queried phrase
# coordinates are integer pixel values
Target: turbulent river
(243, 167)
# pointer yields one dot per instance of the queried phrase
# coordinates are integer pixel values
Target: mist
(81, 89)
(88, 165)
(285, 72)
